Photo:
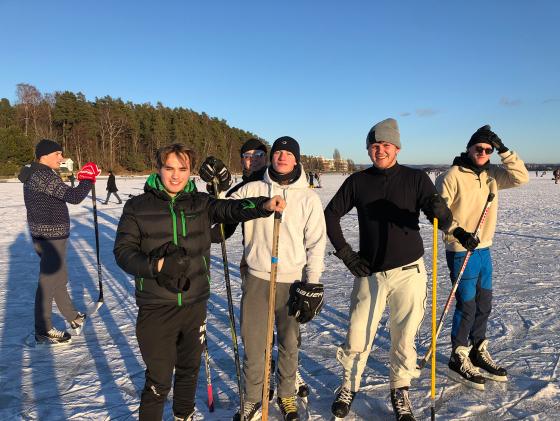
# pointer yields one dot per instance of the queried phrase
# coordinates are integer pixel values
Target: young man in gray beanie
(388, 268)
(465, 187)
(45, 196)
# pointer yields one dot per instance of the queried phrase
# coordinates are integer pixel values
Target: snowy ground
(100, 375)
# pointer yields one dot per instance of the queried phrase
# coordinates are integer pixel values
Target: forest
(118, 135)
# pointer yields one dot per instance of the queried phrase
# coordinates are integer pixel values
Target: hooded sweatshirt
(302, 238)
(466, 188)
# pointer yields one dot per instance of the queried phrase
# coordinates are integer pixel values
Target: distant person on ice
(556, 175)
(112, 188)
(163, 239)
(45, 196)
(299, 293)
(388, 268)
(465, 188)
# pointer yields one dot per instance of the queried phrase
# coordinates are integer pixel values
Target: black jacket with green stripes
(154, 218)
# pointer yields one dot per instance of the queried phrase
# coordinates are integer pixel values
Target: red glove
(89, 171)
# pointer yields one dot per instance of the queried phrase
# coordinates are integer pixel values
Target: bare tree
(30, 98)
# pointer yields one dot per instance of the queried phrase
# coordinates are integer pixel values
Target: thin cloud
(426, 112)
(550, 100)
(507, 102)
(405, 114)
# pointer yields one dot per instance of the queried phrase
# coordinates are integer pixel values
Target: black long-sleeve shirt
(388, 204)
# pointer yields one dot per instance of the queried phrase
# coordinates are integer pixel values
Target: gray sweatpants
(254, 317)
(404, 290)
(53, 278)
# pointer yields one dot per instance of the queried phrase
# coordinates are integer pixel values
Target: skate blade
(459, 379)
(494, 377)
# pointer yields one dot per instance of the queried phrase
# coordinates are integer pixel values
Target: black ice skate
(341, 405)
(462, 370)
(401, 404)
(54, 337)
(288, 407)
(252, 411)
(480, 357)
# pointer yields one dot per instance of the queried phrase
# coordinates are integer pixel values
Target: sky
(322, 72)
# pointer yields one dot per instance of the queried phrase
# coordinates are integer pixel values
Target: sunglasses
(256, 154)
(480, 149)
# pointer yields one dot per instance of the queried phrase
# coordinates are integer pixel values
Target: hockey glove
(89, 171)
(175, 263)
(214, 168)
(435, 207)
(467, 239)
(306, 301)
(353, 261)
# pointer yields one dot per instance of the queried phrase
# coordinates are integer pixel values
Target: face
(383, 154)
(52, 160)
(283, 162)
(253, 160)
(479, 153)
(175, 173)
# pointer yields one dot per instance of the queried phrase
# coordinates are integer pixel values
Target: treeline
(117, 135)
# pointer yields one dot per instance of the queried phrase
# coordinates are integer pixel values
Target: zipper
(140, 284)
(183, 223)
(206, 267)
(174, 217)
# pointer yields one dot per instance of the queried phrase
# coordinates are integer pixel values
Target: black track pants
(170, 338)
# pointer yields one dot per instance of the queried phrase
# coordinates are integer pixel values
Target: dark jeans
(170, 339)
(52, 284)
(109, 195)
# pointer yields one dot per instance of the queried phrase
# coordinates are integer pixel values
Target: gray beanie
(385, 131)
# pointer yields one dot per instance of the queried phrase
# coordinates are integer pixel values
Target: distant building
(67, 166)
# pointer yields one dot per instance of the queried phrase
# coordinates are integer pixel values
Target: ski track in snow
(100, 376)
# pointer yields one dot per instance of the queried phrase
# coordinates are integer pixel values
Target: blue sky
(322, 72)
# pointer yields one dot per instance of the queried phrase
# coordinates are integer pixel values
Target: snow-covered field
(99, 376)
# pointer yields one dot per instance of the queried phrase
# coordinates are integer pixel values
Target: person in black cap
(301, 251)
(465, 187)
(45, 197)
(112, 188)
(388, 268)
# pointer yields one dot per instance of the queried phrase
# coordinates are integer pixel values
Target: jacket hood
(464, 161)
(299, 183)
(155, 185)
(27, 170)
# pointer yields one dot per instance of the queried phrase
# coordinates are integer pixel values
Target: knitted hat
(482, 135)
(385, 131)
(286, 143)
(252, 145)
(45, 147)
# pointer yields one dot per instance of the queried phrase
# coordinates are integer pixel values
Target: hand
(493, 138)
(306, 301)
(467, 239)
(353, 261)
(214, 168)
(89, 171)
(172, 263)
(436, 207)
(274, 204)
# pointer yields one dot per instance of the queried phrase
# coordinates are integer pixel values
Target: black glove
(353, 261)
(435, 207)
(467, 239)
(485, 133)
(306, 301)
(172, 274)
(214, 168)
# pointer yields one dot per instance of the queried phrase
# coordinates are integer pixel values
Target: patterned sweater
(45, 197)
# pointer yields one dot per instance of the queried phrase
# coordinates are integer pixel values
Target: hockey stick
(231, 312)
(424, 360)
(208, 374)
(271, 307)
(99, 275)
(434, 305)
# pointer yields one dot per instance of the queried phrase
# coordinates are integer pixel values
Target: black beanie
(45, 147)
(482, 135)
(252, 145)
(286, 143)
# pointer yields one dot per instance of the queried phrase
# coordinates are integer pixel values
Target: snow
(100, 376)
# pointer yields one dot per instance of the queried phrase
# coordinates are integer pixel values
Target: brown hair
(178, 149)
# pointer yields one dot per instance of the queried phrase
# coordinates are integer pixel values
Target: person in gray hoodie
(302, 241)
